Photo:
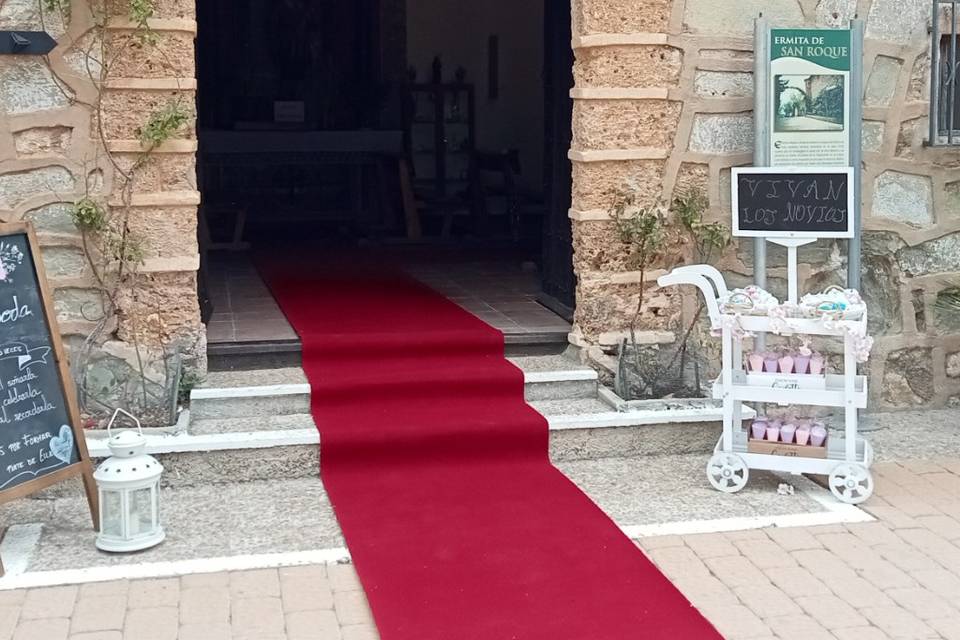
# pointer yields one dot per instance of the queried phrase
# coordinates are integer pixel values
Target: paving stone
(706, 591)
(911, 506)
(711, 545)
(98, 613)
(922, 603)
(164, 592)
(252, 584)
(51, 602)
(793, 538)
(898, 622)
(796, 581)
(203, 580)
(206, 631)
(735, 571)
(860, 633)
(359, 632)
(765, 554)
(8, 620)
(831, 612)
(12, 597)
(747, 534)
(152, 623)
(302, 593)
(208, 605)
(766, 600)
(257, 616)
(798, 627)
(352, 607)
(873, 533)
(97, 635)
(939, 581)
(309, 625)
(949, 628)
(944, 526)
(892, 517)
(906, 558)
(111, 588)
(823, 563)
(343, 577)
(735, 621)
(656, 542)
(676, 562)
(43, 629)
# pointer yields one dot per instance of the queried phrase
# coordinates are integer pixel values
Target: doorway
(434, 132)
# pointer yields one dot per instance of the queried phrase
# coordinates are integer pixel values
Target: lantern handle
(126, 413)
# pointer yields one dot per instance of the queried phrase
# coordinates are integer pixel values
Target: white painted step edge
(214, 393)
(179, 441)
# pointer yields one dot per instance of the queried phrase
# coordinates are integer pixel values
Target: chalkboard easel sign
(41, 438)
(813, 202)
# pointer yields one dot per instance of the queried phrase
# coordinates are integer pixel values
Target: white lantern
(129, 488)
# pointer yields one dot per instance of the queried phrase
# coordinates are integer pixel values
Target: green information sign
(810, 109)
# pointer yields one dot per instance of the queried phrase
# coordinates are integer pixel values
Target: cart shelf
(836, 453)
(807, 326)
(834, 395)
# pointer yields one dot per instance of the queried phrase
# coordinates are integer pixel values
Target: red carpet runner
(459, 526)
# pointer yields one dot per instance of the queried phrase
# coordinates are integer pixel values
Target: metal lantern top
(129, 463)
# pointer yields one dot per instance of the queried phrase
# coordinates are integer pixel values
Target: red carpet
(459, 526)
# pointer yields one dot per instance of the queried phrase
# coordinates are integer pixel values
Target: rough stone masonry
(663, 97)
(664, 94)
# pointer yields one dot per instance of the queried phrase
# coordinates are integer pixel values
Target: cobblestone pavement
(898, 577)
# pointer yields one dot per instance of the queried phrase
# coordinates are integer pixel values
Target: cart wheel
(851, 483)
(727, 472)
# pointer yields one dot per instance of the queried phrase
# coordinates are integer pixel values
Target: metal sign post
(856, 151)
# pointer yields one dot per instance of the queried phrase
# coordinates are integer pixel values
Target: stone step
(285, 391)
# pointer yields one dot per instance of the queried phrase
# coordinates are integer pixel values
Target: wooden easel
(83, 467)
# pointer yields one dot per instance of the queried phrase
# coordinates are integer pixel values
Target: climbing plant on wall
(113, 250)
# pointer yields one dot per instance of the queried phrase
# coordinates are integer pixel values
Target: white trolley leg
(728, 402)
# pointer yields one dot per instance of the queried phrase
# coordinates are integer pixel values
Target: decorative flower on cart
(733, 324)
(11, 257)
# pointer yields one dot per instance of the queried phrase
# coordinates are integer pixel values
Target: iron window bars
(944, 87)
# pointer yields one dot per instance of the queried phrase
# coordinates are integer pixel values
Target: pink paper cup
(787, 431)
(802, 435)
(773, 433)
(801, 364)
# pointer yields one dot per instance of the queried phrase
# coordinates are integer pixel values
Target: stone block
(15, 188)
(603, 305)
(631, 67)
(882, 83)
(947, 316)
(736, 16)
(917, 91)
(620, 16)
(161, 305)
(162, 171)
(26, 85)
(936, 256)
(723, 84)
(692, 177)
(161, 8)
(903, 197)
(873, 136)
(31, 15)
(84, 56)
(953, 365)
(127, 111)
(911, 135)
(171, 55)
(908, 378)
(597, 247)
(625, 124)
(597, 185)
(835, 13)
(166, 232)
(52, 218)
(898, 21)
(722, 133)
(74, 304)
(64, 262)
(42, 141)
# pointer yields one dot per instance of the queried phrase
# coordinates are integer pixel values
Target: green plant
(706, 239)
(88, 215)
(163, 124)
(643, 230)
(124, 248)
(189, 380)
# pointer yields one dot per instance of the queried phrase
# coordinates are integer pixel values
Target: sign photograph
(804, 202)
(810, 110)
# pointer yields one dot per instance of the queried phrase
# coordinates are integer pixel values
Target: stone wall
(664, 95)
(55, 150)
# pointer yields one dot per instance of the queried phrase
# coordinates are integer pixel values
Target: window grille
(944, 85)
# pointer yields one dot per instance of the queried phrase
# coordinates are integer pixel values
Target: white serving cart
(848, 458)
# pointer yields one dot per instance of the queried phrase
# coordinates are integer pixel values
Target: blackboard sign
(793, 203)
(41, 441)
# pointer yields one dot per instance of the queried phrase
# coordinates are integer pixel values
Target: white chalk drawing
(11, 257)
(62, 446)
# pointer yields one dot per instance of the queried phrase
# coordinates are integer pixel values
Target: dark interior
(382, 123)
